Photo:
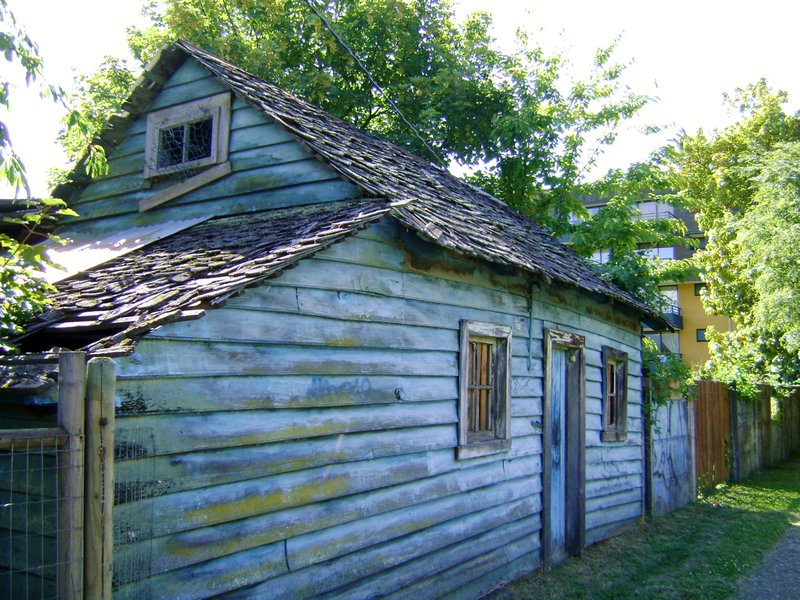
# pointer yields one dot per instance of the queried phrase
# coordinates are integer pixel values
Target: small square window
(615, 395)
(701, 335)
(484, 425)
(698, 288)
(187, 137)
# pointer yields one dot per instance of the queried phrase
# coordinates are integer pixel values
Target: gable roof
(440, 207)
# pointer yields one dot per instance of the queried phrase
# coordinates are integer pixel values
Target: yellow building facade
(693, 347)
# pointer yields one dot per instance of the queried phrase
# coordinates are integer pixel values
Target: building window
(484, 416)
(701, 335)
(615, 395)
(188, 136)
(698, 288)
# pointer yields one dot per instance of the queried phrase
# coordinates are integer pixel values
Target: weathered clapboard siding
(202, 544)
(236, 475)
(328, 576)
(421, 578)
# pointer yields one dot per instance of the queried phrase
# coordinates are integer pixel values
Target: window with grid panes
(188, 136)
(615, 395)
(485, 389)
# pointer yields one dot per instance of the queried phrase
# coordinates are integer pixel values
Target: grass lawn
(697, 552)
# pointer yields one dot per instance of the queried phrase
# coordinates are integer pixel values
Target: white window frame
(474, 444)
(217, 107)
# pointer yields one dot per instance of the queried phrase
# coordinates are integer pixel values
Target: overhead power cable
(374, 83)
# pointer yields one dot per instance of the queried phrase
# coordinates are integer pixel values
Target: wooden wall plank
(197, 394)
(205, 468)
(174, 433)
(317, 547)
(229, 358)
(224, 574)
(196, 508)
(429, 576)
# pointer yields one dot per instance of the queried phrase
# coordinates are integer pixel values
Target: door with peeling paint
(563, 448)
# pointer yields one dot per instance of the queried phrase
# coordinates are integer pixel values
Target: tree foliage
(23, 289)
(443, 75)
(514, 120)
(553, 132)
(742, 181)
(619, 230)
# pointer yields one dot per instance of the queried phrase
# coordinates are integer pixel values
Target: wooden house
(341, 371)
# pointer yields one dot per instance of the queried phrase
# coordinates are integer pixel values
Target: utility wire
(374, 83)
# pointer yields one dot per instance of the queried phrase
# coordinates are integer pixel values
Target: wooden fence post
(692, 427)
(71, 411)
(99, 536)
(736, 449)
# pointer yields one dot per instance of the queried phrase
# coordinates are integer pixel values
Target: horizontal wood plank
(173, 433)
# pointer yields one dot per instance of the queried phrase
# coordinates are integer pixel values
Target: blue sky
(685, 53)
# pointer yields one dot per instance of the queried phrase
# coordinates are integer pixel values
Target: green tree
(553, 132)
(741, 181)
(526, 133)
(618, 230)
(23, 289)
(442, 75)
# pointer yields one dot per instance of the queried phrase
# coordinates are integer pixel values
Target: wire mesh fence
(134, 484)
(32, 523)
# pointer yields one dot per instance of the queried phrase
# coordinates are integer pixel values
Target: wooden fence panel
(712, 433)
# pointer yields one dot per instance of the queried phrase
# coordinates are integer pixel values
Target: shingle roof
(199, 267)
(446, 209)
(176, 278)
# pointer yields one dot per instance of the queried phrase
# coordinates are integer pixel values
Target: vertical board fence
(712, 433)
(765, 430)
(714, 438)
(671, 481)
(56, 492)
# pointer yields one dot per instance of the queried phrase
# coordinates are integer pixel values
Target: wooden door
(563, 448)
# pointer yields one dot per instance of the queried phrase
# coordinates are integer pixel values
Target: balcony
(672, 315)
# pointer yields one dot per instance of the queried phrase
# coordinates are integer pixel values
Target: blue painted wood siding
(304, 434)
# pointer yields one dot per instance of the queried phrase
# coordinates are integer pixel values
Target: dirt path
(778, 576)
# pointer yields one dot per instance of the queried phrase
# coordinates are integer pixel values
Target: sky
(685, 54)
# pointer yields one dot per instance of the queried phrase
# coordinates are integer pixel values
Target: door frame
(575, 443)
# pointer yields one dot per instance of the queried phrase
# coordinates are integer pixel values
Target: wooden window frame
(498, 438)
(217, 107)
(615, 395)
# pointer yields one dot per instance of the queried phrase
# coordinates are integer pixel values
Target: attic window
(184, 143)
(188, 136)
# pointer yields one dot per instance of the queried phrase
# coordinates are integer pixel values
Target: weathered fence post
(736, 447)
(99, 538)
(692, 430)
(71, 411)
